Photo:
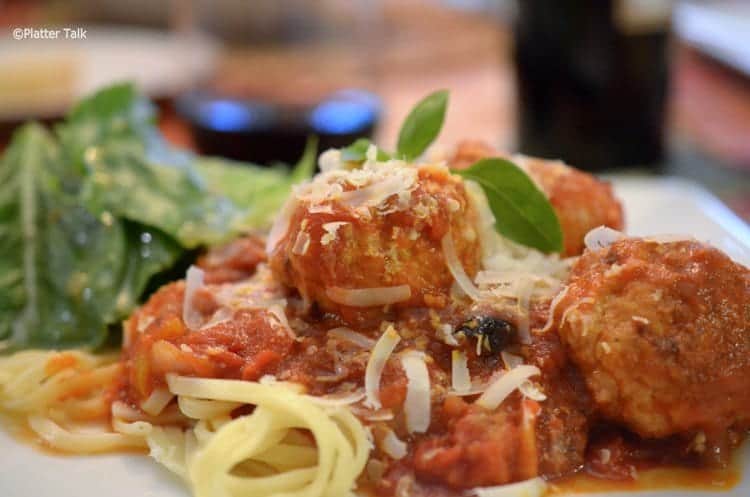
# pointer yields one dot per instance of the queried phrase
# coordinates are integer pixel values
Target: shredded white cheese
(281, 224)
(369, 297)
(393, 446)
(301, 244)
(460, 376)
(374, 194)
(374, 183)
(445, 334)
(511, 360)
(531, 391)
(503, 386)
(375, 365)
(331, 229)
(343, 333)
(417, 403)
(525, 287)
(330, 160)
(553, 309)
(601, 237)
(193, 282)
(456, 269)
(535, 487)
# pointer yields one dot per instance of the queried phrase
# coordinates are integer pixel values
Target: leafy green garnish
(198, 201)
(91, 214)
(422, 125)
(522, 212)
(116, 112)
(66, 273)
(357, 152)
(123, 182)
(305, 167)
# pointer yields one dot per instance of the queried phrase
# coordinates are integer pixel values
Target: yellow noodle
(82, 442)
(340, 442)
(290, 446)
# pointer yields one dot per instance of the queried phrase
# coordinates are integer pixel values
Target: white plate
(652, 206)
(719, 29)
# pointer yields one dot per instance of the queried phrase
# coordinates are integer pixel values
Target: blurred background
(634, 87)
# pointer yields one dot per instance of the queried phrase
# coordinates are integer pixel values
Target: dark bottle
(591, 79)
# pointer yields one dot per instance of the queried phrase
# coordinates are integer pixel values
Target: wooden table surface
(420, 46)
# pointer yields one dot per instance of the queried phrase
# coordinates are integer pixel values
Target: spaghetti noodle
(291, 444)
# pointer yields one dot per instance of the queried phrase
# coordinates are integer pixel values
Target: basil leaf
(305, 167)
(66, 274)
(422, 125)
(522, 212)
(357, 152)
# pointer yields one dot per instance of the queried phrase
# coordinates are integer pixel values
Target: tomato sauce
(466, 445)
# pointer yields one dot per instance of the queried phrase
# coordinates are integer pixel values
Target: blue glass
(225, 115)
(345, 112)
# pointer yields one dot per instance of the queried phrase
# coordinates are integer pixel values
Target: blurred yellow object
(39, 86)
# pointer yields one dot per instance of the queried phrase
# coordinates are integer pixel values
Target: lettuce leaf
(198, 201)
(66, 273)
(96, 212)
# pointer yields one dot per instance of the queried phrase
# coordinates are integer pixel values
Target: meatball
(241, 335)
(234, 261)
(661, 334)
(581, 201)
(356, 240)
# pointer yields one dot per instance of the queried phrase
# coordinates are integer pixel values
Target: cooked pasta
(291, 443)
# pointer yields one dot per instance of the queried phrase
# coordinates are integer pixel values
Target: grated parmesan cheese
(301, 244)
(417, 403)
(460, 376)
(369, 297)
(456, 269)
(535, 487)
(393, 446)
(351, 336)
(601, 237)
(330, 231)
(505, 384)
(193, 282)
(376, 363)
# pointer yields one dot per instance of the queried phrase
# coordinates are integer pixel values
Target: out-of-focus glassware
(289, 69)
(592, 80)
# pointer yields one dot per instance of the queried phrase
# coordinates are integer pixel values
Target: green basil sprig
(357, 151)
(422, 125)
(522, 212)
(419, 130)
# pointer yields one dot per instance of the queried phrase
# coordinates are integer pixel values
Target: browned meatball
(234, 261)
(661, 333)
(366, 230)
(581, 201)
